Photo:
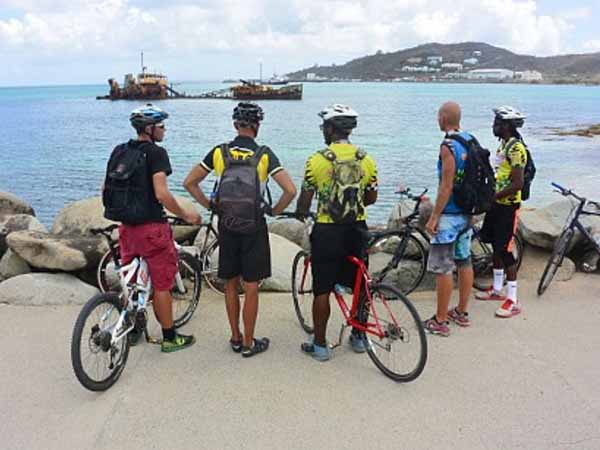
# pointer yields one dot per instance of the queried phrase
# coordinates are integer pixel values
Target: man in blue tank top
(449, 227)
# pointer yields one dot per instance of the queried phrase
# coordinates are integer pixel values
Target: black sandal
(236, 346)
(258, 346)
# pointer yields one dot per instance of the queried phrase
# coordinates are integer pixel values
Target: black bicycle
(561, 245)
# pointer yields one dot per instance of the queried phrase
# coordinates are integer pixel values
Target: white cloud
(299, 29)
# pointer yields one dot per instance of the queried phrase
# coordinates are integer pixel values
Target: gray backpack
(239, 200)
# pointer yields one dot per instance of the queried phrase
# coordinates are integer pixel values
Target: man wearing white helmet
(144, 230)
(342, 196)
(500, 224)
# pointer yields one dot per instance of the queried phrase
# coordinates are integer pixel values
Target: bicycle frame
(361, 279)
(574, 222)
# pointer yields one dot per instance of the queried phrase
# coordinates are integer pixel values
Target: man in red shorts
(144, 230)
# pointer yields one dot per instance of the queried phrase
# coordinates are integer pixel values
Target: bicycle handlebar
(295, 215)
(567, 192)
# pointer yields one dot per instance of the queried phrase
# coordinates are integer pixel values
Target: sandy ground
(531, 382)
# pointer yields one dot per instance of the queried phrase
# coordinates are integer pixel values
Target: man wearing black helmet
(244, 249)
(144, 230)
(500, 224)
(344, 178)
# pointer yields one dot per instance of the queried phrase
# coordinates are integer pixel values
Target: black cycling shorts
(500, 226)
(331, 244)
(248, 255)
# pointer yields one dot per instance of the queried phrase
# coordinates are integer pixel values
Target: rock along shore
(40, 266)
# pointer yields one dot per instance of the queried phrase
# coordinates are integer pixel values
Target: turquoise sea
(56, 140)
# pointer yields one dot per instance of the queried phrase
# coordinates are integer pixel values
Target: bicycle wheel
(483, 263)
(401, 352)
(98, 364)
(302, 290)
(107, 275)
(407, 267)
(187, 294)
(556, 259)
(210, 270)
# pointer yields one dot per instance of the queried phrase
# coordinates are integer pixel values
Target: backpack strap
(360, 154)
(258, 154)
(458, 138)
(328, 154)
(225, 154)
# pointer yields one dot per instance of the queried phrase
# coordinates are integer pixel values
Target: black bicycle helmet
(248, 112)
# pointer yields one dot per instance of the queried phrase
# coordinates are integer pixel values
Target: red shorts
(154, 242)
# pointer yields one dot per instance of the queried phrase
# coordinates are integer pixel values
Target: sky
(48, 42)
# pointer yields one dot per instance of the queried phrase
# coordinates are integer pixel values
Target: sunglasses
(160, 125)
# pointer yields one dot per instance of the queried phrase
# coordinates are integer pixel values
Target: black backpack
(126, 195)
(528, 172)
(239, 201)
(475, 191)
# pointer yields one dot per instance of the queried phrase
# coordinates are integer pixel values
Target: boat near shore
(155, 86)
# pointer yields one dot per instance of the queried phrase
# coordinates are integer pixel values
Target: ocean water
(56, 140)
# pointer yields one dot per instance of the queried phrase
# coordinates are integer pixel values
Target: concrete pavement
(531, 382)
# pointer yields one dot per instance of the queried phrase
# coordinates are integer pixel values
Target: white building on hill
(452, 66)
(529, 75)
(471, 62)
(490, 74)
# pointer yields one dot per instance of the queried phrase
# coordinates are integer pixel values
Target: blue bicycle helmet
(140, 118)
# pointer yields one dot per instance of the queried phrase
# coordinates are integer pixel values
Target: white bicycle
(100, 342)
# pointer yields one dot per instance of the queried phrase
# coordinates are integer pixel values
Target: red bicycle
(384, 316)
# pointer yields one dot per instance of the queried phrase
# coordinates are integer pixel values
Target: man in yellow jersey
(500, 224)
(243, 252)
(344, 179)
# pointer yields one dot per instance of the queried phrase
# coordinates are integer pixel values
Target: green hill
(386, 66)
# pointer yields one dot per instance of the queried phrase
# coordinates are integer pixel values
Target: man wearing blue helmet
(136, 193)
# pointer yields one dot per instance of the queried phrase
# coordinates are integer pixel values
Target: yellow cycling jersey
(318, 173)
(241, 148)
(510, 155)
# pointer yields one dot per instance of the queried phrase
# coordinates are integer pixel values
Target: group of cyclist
(344, 180)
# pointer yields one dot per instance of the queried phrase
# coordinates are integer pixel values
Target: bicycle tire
(95, 343)
(210, 270)
(401, 328)
(410, 270)
(556, 259)
(106, 275)
(185, 303)
(301, 275)
(483, 263)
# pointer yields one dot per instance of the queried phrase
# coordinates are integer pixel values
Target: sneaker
(357, 343)
(316, 351)
(134, 337)
(509, 308)
(434, 327)
(180, 342)
(460, 319)
(490, 295)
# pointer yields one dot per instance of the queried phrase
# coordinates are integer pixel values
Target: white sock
(512, 290)
(498, 280)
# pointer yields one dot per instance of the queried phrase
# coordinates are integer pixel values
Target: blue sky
(69, 41)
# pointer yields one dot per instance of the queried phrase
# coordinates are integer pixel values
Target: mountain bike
(580, 208)
(185, 292)
(207, 257)
(384, 317)
(100, 341)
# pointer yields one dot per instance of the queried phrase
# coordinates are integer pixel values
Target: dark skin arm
(304, 201)
(370, 197)
(516, 183)
(445, 189)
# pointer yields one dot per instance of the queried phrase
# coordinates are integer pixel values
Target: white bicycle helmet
(510, 114)
(340, 116)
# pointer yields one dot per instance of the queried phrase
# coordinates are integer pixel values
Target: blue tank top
(460, 157)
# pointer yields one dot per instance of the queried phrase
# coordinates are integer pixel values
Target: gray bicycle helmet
(340, 116)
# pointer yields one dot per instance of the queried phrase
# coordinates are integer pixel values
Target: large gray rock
(40, 289)
(12, 265)
(79, 217)
(282, 258)
(541, 227)
(57, 252)
(293, 230)
(17, 222)
(10, 204)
